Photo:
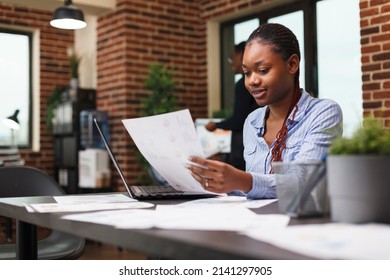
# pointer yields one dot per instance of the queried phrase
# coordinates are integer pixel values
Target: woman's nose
(254, 80)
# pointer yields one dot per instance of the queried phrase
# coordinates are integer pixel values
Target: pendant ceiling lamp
(68, 17)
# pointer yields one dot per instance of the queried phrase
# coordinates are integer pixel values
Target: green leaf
(162, 99)
(371, 138)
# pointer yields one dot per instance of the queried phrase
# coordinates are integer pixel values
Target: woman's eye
(263, 71)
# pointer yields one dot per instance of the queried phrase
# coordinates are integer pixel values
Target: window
(232, 34)
(329, 35)
(295, 22)
(241, 33)
(15, 85)
(339, 63)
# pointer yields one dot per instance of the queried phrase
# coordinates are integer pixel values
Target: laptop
(149, 192)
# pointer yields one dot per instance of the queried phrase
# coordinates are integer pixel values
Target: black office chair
(17, 181)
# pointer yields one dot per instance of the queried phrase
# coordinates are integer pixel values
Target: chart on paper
(167, 141)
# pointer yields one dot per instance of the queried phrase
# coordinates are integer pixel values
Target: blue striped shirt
(316, 123)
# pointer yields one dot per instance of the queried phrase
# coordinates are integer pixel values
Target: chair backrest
(27, 181)
(16, 181)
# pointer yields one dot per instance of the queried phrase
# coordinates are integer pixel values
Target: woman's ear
(293, 63)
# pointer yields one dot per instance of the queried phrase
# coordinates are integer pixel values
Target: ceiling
(91, 7)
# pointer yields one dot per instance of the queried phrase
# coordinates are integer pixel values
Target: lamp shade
(12, 121)
(68, 17)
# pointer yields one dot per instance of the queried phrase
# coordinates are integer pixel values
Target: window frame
(29, 35)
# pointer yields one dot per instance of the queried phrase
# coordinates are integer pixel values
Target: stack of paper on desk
(82, 203)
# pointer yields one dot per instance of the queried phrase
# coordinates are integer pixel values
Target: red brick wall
(137, 34)
(375, 41)
(54, 70)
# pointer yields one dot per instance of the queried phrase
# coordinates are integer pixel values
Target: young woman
(291, 126)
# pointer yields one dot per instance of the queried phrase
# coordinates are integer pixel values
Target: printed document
(331, 241)
(167, 141)
(186, 217)
(83, 203)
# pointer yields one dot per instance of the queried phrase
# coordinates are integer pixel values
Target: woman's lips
(259, 93)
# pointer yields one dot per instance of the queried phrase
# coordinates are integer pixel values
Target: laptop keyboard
(164, 192)
(155, 190)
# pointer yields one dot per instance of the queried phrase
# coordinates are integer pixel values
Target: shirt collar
(259, 121)
(303, 103)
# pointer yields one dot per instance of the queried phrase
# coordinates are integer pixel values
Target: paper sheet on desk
(215, 217)
(136, 219)
(332, 240)
(83, 203)
(186, 217)
(84, 207)
(167, 141)
(97, 198)
(231, 201)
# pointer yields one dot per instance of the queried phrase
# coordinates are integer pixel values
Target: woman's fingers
(199, 162)
(197, 168)
(207, 173)
(194, 174)
(200, 172)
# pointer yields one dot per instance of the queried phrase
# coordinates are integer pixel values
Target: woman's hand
(219, 177)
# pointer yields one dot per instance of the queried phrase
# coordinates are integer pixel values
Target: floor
(98, 251)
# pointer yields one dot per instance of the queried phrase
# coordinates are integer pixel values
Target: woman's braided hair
(282, 41)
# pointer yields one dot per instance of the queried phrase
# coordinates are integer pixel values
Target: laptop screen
(114, 161)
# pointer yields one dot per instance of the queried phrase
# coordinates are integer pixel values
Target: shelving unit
(66, 131)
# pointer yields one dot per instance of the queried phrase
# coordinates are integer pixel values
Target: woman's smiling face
(268, 77)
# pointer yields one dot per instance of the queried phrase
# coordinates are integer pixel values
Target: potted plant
(358, 175)
(52, 103)
(161, 100)
(74, 61)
